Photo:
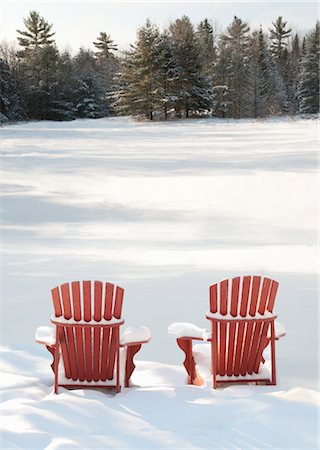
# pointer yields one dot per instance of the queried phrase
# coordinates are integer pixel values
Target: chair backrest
(241, 341)
(88, 349)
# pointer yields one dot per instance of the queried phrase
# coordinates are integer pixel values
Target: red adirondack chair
(242, 326)
(86, 346)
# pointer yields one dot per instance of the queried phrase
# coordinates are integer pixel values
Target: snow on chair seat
(86, 344)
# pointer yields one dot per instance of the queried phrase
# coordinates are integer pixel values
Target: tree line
(181, 71)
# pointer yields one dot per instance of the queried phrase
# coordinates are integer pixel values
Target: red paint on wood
(72, 352)
(239, 347)
(246, 348)
(108, 305)
(76, 300)
(234, 296)
(224, 297)
(56, 302)
(97, 300)
(256, 338)
(87, 300)
(114, 345)
(64, 351)
(231, 345)
(105, 353)
(246, 283)
(213, 294)
(65, 293)
(118, 303)
(264, 295)
(272, 295)
(254, 295)
(80, 353)
(222, 348)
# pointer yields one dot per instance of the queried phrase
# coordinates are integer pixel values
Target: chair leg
(130, 366)
(56, 364)
(214, 354)
(189, 364)
(273, 356)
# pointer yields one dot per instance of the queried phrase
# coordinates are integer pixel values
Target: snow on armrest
(135, 334)
(45, 335)
(186, 329)
(279, 330)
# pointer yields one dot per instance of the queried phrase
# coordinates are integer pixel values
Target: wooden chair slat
(246, 348)
(262, 345)
(96, 353)
(87, 301)
(80, 353)
(246, 284)
(105, 352)
(222, 348)
(113, 348)
(231, 346)
(234, 296)
(213, 294)
(65, 293)
(264, 295)
(97, 301)
(239, 348)
(108, 305)
(72, 352)
(272, 295)
(64, 351)
(224, 297)
(76, 300)
(254, 295)
(88, 352)
(56, 302)
(118, 303)
(256, 337)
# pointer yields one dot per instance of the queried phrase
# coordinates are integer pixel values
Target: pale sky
(78, 23)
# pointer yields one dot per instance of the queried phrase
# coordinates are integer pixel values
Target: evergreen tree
(236, 41)
(293, 73)
(308, 86)
(222, 101)
(191, 89)
(37, 34)
(11, 104)
(90, 97)
(208, 52)
(107, 65)
(279, 36)
(265, 92)
(105, 46)
(139, 83)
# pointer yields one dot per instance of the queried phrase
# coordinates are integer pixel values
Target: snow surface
(135, 334)
(163, 210)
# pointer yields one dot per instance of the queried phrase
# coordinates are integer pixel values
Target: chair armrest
(188, 330)
(135, 335)
(46, 336)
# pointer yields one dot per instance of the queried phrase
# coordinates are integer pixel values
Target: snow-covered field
(164, 210)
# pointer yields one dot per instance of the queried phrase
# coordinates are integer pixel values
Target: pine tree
(265, 91)
(236, 41)
(139, 84)
(191, 89)
(279, 36)
(308, 86)
(222, 101)
(107, 65)
(293, 73)
(105, 46)
(208, 51)
(37, 34)
(90, 99)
